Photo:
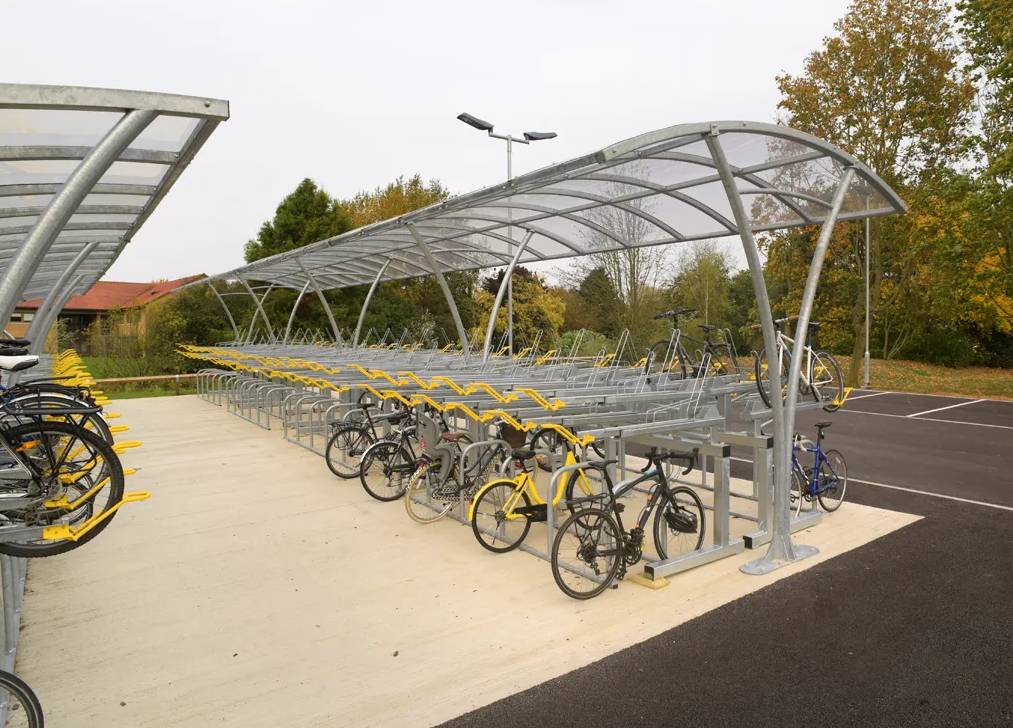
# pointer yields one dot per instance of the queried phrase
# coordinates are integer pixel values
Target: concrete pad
(255, 589)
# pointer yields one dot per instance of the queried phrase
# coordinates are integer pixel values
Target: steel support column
(323, 302)
(62, 206)
(61, 301)
(365, 304)
(291, 316)
(781, 550)
(228, 313)
(435, 269)
(806, 307)
(38, 330)
(504, 286)
(260, 309)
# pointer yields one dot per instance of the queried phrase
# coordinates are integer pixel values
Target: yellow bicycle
(503, 510)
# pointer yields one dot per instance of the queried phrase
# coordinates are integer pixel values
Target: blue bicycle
(824, 481)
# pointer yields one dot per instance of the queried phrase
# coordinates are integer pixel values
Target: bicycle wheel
(93, 421)
(23, 707)
(760, 368)
(552, 441)
(676, 361)
(493, 520)
(679, 523)
(67, 462)
(421, 507)
(345, 449)
(827, 381)
(385, 470)
(798, 492)
(833, 480)
(587, 553)
(723, 361)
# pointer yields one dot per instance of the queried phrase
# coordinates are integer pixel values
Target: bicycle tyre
(417, 486)
(112, 469)
(25, 696)
(831, 394)
(347, 441)
(661, 524)
(723, 360)
(94, 422)
(797, 489)
(502, 490)
(587, 521)
(678, 364)
(831, 498)
(394, 460)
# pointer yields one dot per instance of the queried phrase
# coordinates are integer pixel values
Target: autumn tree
(887, 87)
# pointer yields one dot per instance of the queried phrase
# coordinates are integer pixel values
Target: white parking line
(913, 490)
(940, 409)
(844, 410)
(863, 396)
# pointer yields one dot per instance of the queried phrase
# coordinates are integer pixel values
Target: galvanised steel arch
(81, 170)
(682, 183)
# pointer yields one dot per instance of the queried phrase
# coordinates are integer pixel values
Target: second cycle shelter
(682, 183)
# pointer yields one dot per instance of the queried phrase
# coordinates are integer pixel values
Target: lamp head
(475, 122)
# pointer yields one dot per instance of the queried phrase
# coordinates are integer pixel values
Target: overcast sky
(355, 94)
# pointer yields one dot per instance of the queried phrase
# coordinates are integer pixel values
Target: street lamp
(529, 136)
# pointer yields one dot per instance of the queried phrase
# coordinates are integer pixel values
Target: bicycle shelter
(81, 171)
(683, 183)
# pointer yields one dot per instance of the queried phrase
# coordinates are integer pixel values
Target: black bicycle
(711, 357)
(352, 436)
(592, 549)
(22, 704)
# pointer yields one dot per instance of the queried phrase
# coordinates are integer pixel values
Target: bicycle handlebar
(674, 313)
(654, 458)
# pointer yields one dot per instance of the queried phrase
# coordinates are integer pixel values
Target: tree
(538, 310)
(987, 26)
(305, 216)
(888, 88)
(620, 240)
(397, 198)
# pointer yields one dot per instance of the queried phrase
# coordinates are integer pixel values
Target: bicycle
(819, 375)
(47, 392)
(60, 483)
(439, 478)
(825, 481)
(396, 458)
(351, 438)
(22, 704)
(716, 357)
(503, 510)
(592, 549)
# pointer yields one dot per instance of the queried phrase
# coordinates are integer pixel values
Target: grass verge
(914, 376)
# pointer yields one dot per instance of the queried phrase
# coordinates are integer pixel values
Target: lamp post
(529, 136)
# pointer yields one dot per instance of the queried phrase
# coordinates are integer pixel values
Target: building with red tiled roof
(103, 297)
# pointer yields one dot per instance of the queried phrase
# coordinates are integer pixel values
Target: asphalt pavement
(913, 629)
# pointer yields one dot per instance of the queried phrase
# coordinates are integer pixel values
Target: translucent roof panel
(45, 134)
(658, 188)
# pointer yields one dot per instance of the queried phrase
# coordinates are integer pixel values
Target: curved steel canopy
(50, 136)
(654, 189)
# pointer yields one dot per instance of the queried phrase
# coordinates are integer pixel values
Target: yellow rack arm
(119, 447)
(63, 532)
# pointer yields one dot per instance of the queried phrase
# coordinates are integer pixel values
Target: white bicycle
(819, 376)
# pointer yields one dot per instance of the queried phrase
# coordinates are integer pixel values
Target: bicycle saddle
(708, 327)
(823, 425)
(15, 342)
(522, 454)
(453, 436)
(17, 363)
(814, 324)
